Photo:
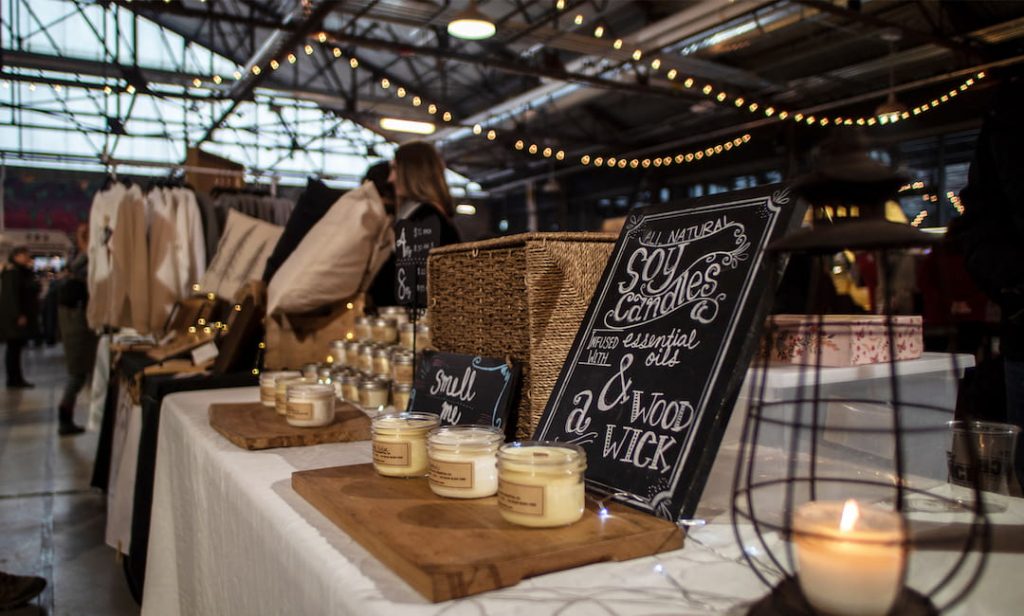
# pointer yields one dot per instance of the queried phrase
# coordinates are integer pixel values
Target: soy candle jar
(281, 391)
(463, 461)
(352, 354)
(324, 374)
(384, 330)
(362, 329)
(422, 336)
(365, 363)
(373, 394)
(540, 483)
(310, 370)
(268, 386)
(397, 313)
(310, 406)
(400, 394)
(350, 388)
(382, 362)
(400, 443)
(402, 367)
(336, 354)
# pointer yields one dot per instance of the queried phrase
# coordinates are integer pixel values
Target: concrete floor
(51, 521)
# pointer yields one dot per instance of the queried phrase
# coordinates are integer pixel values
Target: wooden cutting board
(251, 425)
(450, 548)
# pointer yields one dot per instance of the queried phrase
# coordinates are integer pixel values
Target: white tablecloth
(229, 536)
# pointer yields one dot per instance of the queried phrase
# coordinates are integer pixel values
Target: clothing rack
(114, 163)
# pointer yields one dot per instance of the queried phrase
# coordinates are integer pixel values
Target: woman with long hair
(421, 193)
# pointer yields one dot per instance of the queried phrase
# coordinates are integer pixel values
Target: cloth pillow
(241, 255)
(337, 258)
(309, 209)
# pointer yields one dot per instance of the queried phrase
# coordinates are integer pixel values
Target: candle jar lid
(310, 391)
(412, 423)
(351, 378)
(542, 457)
(337, 344)
(352, 345)
(269, 378)
(367, 348)
(382, 352)
(402, 357)
(401, 388)
(373, 384)
(469, 438)
(310, 368)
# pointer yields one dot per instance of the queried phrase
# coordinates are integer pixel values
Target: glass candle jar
(382, 362)
(362, 329)
(384, 330)
(463, 461)
(310, 370)
(336, 375)
(398, 313)
(365, 364)
(352, 354)
(310, 406)
(281, 391)
(336, 354)
(268, 387)
(400, 393)
(400, 443)
(402, 367)
(422, 336)
(540, 483)
(350, 388)
(324, 374)
(373, 394)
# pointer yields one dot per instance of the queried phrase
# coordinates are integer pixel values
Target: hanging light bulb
(471, 24)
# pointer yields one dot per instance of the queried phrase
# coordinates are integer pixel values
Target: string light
(578, 20)
(322, 37)
(447, 116)
(637, 54)
(560, 4)
(656, 63)
(353, 62)
(678, 158)
(599, 31)
(337, 52)
(291, 58)
(491, 135)
(617, 44)
(400, 92)
(274, 64)
(308, 49)
(385, 83)
(672, 73)
(237, 75)
(217, 79)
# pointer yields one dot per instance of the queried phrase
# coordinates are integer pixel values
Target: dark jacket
(19, 296)
(382, 289)
(991, 231)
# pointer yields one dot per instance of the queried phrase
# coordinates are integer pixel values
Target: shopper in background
(79, 341)
(421, 193)
(19, 312)
(991, 232)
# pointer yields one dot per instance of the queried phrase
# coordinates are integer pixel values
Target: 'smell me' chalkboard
(413, 241)
(653, 373)
(465, 389)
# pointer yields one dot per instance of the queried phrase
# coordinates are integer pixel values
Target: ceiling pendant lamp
(471, 24)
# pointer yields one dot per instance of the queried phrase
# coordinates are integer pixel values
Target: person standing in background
(991, 232)
(79, 341)
(19, 312)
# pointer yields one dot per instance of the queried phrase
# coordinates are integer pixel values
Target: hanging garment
(102, 221)
(241, 254)
(129, 289)
(190, 245)
(164, 282)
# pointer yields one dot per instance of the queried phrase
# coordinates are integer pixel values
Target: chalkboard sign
(653, 373)
(465, 389)
(413, 241)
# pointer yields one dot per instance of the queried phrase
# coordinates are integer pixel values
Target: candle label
(451, 474)
(392, 454)
(652, 376)
(300, 410)
(519, 498)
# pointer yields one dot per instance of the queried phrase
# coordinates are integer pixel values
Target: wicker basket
(520, 297)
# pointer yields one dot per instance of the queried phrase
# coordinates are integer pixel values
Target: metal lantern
(841, 499)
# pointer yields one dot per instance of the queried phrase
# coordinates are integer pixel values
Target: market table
(230, 536)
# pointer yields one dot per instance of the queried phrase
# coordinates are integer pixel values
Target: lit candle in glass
(850, 558)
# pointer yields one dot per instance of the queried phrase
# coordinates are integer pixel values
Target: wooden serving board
(251, 425)
(450, 548)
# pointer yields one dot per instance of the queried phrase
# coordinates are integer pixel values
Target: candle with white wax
(400, 443)
(310, 406)
(281, 391)
(850, 558)
(540, 483)
(463, 461)
(268, 385)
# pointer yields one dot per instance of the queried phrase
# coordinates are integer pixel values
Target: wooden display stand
(254, 426)
(450, 548)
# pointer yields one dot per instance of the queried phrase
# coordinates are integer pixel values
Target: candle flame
(850, 514)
